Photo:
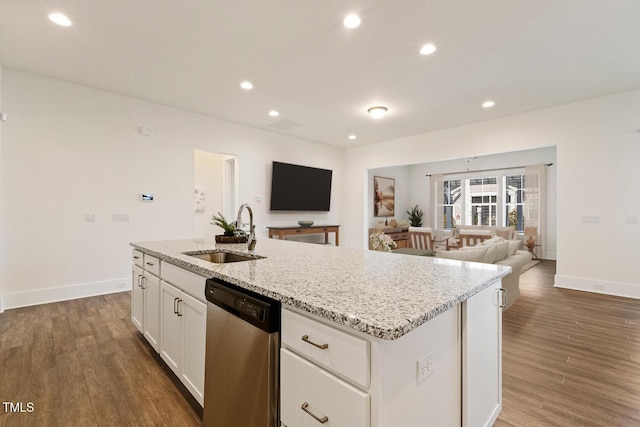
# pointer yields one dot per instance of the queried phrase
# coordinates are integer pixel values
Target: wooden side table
(531, 247)
(282, 232)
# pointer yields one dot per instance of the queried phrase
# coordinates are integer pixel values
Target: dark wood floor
(570, 359)
(81, 363)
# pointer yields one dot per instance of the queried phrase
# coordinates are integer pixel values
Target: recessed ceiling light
(246, 85)
(428, 49)
(351, 21)
(377, 112)
(352, 137)
(274, 113)
(488, 104)
(60, 19)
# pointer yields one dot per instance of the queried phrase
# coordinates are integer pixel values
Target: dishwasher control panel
(250, 309)
(258, 310)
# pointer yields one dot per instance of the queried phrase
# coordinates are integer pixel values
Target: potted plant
(415, 216)
(231, 233)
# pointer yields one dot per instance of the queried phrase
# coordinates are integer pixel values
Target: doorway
(215, 190)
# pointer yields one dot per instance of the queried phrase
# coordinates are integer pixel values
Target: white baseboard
(628, 290)
(63, 293)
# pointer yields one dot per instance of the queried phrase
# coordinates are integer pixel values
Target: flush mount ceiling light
(246, 85)
(377, 112)
(488, 104)
(352, 137)
(428, 49)
(351, 21)
(274, 113)
(60, 19)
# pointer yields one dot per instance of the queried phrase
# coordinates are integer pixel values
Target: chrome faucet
(251, 242)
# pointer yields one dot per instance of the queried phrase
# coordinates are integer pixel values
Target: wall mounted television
(300, 188)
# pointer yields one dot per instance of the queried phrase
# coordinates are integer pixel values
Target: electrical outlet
(123, 217)
(590, 219)
(425, 367)
(598, 286)
(90, 217)
(630, 219)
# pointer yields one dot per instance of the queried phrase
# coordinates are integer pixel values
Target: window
(483, 201)
(452, 204)
(514, 201)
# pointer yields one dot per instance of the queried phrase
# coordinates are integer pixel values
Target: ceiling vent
(285, 124)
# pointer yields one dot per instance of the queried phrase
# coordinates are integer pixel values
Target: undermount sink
(222, 257)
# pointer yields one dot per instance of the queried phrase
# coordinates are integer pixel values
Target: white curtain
(534, 203)
(437, 200)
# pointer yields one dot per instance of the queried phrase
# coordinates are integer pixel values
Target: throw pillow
(489, 257)
(514, 245)
(502, 248)
(504, 232)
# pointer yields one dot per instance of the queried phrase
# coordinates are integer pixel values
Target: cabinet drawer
(325, 395)
(399, 236)
(137, 258)
(151, 264)
(345, 354)
(189, 282)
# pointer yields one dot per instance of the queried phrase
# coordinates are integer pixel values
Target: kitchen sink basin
(222, 257)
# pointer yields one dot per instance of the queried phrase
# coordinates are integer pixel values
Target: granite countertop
(382, 294)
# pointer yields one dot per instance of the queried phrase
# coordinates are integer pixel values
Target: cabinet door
(194, 318)
(137, 298)
(482, 357)
(171, 327)
(152, 310)
(308, 394)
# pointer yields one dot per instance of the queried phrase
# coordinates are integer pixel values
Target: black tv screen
(300, 188)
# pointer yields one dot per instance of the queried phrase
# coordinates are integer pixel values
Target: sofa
(507, 233)
(500, 251)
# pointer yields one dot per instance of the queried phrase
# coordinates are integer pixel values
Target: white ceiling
(192, 54)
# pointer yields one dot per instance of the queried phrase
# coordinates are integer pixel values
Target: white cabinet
(482, 357)
(137, 297)
(145, 301)
(310, 396)
(183, 326)
(448, 371)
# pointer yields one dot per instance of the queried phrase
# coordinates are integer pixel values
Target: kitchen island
(416, 340)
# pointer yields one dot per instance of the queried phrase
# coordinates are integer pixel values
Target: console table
(282, 232)
(399, 235)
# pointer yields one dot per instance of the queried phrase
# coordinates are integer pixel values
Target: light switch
(90, 217)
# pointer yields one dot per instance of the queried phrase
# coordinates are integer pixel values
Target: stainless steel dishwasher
(242, 358)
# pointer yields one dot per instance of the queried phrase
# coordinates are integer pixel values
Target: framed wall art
(384, 190)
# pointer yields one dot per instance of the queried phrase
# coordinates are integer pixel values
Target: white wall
(68, 150)
(597, 148)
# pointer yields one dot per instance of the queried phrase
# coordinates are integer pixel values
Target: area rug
(529, 265)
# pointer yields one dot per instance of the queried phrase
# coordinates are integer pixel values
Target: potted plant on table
(415, 216)
(231, 233)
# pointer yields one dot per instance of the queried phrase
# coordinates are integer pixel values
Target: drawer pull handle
(320, 420)
(305, 338)
(175, 303)
(503, 297)
(136, 257)
(149, 263)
